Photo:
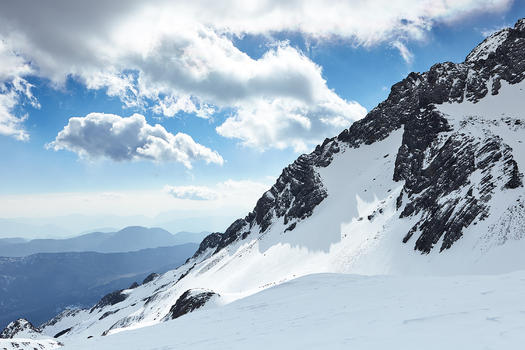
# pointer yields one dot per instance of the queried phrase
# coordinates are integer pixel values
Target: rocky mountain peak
(19, 328)
(490, 45)
(436, 159)
(520, 25)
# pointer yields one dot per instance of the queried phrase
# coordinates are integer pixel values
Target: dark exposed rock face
(449, 171)
(434, 160)
(62, 332)
(106, 314)
(15, 327)
(296, 193)
(110, 299)
(210, 241)
(189, 301)
(150, 277)
(292, 198)
(459, 153)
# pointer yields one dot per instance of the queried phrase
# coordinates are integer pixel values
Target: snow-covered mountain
(429, 182)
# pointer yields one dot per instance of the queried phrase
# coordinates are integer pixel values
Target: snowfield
(337, 311)
(29, 344)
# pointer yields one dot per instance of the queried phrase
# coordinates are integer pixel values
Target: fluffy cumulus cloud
(100, 135)
(179, 56)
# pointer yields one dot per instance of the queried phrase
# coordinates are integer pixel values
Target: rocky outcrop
(211, 241)
(110, 299)
(292, 198)
(150, 277)
(19, 328)
(189, 301)
(435, 170)
(62, 332)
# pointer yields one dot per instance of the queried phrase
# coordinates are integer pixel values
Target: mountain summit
(430, 181)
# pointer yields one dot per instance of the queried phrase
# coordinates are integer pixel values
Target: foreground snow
(336, 311)
(29, 344)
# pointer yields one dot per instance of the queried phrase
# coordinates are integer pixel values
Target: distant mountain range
(132, 238)
(38, 286)
(68, 226)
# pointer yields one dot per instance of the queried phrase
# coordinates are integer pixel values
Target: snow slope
(29, 344)
(336, 311)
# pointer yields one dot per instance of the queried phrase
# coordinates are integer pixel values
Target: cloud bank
(179, 56)
(100, 135)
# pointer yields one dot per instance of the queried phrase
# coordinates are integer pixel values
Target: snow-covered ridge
(21, 335)
(488, 46)
(494, 41)
(20, 328)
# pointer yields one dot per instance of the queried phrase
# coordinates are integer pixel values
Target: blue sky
(292, 67)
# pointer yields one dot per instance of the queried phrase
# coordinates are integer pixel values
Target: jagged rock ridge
(454, 155)
(17, 327)
(189, 301)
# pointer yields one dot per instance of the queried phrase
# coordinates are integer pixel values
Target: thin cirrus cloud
(199, 193)
(220, 191)
(99, 135)
(403, 51)
(233, 198)
(179, 56)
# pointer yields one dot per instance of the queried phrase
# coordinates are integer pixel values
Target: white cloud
(403, 51)
(221, 191)
(129, 138)
(282, 123)
(178, 56)
(10, 124)
(14, 89)
(200, 193)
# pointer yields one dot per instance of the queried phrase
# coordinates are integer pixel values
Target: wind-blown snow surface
(336, 311)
